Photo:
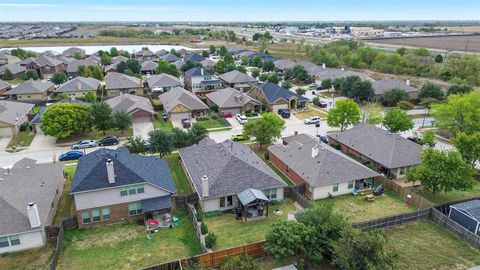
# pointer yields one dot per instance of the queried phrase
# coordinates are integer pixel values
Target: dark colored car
(324, 139)
(228, 115)
(70, 155)
(110, 140)
(284, 113)
(186, 123)
(165, 117)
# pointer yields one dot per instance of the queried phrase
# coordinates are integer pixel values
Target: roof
(149, 66)
(30, 87)
(333, 73)
(66, 59)
(194, 57)
(27, 61)
(4, 85)
(330, 166)
(72, 67)
(230, 98)
(472, 207)
(161, 52)
(79, 84)
(71, 51)
(117, 80)
(180, 96)
(27, 182)
(197, 71)
(273, 92)
(11, 111)
(163, 80)
(207, 63)
(169, 57)
(178, 64)
(230, 167)
(14, 68)
(389, 149)
(249, 195)
(44, 60)
(284, 64)
(130, 103)
(236, 76)
(381, 86)
(91, 173)
(143, 53)
(118, 59)
(156, 203)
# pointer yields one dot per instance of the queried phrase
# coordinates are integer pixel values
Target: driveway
(42, 141)
(234, 123)
(141, 127)
(4, 142)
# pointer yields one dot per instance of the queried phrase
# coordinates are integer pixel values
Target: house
(381, 86)
(276, 97)
(232, 101)
(4, 87)
(193, 57)
(218, 172)
(323, 170)
(113, 185)
(45, 66)
(145, 55)
(283, 64)
(74, 51)
(207, 63)
(12, 116)
(200, 81)
(161, 52)
(179, 103)
(26, 61)
(169, 57)
(467, 214)
(6, 58)
(148, 67)
(387, 152)
(29, 194)
(31, 91)
(238, 80)
(116, 83)
(16, 70)
(162, 83)
(178, 64)
(322, 73)
(66, 60)
(51, 53)
(140, 108)
(79, 87)
(72, 67)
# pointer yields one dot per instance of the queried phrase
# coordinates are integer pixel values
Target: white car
(242, 119)
(312, 120)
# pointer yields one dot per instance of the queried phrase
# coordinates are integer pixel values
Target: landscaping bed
(22, 139)
(178, 174)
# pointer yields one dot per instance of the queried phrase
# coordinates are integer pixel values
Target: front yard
(160, 123)
(455, 195)
(125, 246)
(311, 112)
(212, 123)
(232, 232)
(22, 139)
(178, 174)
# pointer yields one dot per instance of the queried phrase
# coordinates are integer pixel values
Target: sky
(239, 10)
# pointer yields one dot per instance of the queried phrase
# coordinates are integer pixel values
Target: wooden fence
(66, 223)
(296, 194)
(457, 229)
(182, 201)
(393, 221)
(402, 192)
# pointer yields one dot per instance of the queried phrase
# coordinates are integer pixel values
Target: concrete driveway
(234, 123)
(4, 142)
(141, 127)
(42, 141)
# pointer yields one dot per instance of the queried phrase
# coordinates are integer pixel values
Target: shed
(467, 214)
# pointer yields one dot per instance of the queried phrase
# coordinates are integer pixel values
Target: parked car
(186, 123)
(322, 104)
(284, 113)
(70, 155)
(312, 120)
(242, 119)
(239, 137)
(227, 115)
(165, 117)
(324, 139)
(84, 144)
(109, 140)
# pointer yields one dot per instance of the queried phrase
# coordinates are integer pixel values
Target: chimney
(205, 186)
(33, 216)
(343, 69)
(315, 151)
(407, 82)
(110, 171)
(324, 66)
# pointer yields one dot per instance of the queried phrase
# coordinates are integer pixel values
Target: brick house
(140, 108)
(45, 66)
(275, 97)
(179, 103)
(238, 80)
(31, 91)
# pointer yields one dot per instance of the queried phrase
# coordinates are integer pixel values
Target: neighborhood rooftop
(236, 76)
(121, 81)
(79, 84)
(180, 96)
(11, 112)
(229, 98)
(381, 86)
(30, 87)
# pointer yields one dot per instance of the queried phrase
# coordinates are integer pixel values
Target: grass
(160, 123)
(16, 81)
(33, 259)
(36, 109)
(232, 232)
(22, 139)
(212, 123)
(156, 101)
(261, 154)
(309, 113)
(425, 245)
(95, 135)
(179, 178)
(125, 246)
(65, 206)
(444, 197)
(358, 209)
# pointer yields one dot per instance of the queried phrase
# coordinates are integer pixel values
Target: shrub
(405, 105)
(214, 116)
(203, 228)
(335, 145)
(210, 240)
(199, 214)
(214, 108)
(192, 266)
(244, 262)
(25, 127)
(266, 155)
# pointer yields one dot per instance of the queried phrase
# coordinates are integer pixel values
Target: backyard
(178, 174)
(33, 259)
(232, 232)
(125, 246)
(65, 206)
(454, 195)
(425, 245)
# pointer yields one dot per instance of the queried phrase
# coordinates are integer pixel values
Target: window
(132, 190)
(222, 202)
(226, 201)
(3, 242)
(350, 184)
(106, 213)
(229, 201)
(135, 208)
(123, 192)
(271, 193)
(96, 215)
(140, 189)
(14, 240)
(402, 171)
(85, 217)
(335, 187)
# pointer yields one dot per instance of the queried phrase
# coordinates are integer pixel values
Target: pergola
(253, 203)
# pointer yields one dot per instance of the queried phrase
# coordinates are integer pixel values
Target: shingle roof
(79, 84)
(194, 57)
(44, 60)
(333, 73)
(163, 80)
(382, 86)
(66, 59)
(27, 182)
(472, 207)
(91, 173)
(249, 195)
(30, 87)
(149, 66)
(4, 85)
(118, 59)
(72, 67)
(14, 68)
(230, 98)
(157, 203)
(183, 97)
(169, 57)
(197, 71)
(284, 64)
(27, 61)
(389, 149)
(144, 53)
(273, 92)
(236, 76)
(121, 81)
(161, 52)
(71, 51)
(230, 167)
(12, 112)
(328, 167)
(207, 63)
(130, 103)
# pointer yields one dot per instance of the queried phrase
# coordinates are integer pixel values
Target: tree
(136, 145)
(257, 62)
(197, 133)
(346, 113)
(61, 96)
(59, 78)
(167, 68)
(101, 115)
(105, 59)
(97, 73)
(273, 78)
(265, 129)
(397, 120)
(122, 120)
(242, 69)
(401, 51)
(430, 90)
(316, 101)
(255, 73)
(405, 105)
(113, 52)
(64, 119)
(439, 58)
(228, 58)
(442, 171)
(461, 113)
(298, 74)
(90, 97)
(300, 91)
(459, 89)
(222, 51)
(210, 240)
(77, 55)
(131, 65)
(393, 96)
(288, 85)
(428, 138)
(263, 77)
(205, 54)
(285, 239)
(268, 66)
(187, 66)
(7, 74)
(353, 87)
(327, 84)
(468, 146)
(212, 49)
(161, 142)
(371, 114)
(30, 74)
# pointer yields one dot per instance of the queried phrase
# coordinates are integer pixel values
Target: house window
(135, 208)
(140, 189)
(226, 201)
(350, 184)
(132, 190)
(96, 215)
(123, 192)
(271, 193)
(4, 242)
(229, 201)
(402, 171)
(85, 217)
(106, 213)
(14, 240)
(222, 202)
(335, 187)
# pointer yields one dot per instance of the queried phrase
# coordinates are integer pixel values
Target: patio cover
(249, 195)
(156, 204)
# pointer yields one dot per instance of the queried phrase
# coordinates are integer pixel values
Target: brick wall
(118, 213)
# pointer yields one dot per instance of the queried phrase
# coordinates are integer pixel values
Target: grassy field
(22, 139)
(425, 245)
(232, 232)
(159, 123)
(33, 259)
(212, 123)
(125, 246)
(455, 195)
(179, 177)
(65, 206)
(358, 209)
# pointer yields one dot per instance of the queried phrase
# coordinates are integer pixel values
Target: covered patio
(158, 212)
(252, 204)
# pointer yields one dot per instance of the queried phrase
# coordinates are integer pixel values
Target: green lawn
(425, 245)
(178, 174)
(156, 101)
(455, 195)
(159, 123)
(213, 123)
(311, 112)
(33, 259)
(22, 139)
(125, 246)
(232, 232)
(357, 209)
(36, 109)
(65, 206)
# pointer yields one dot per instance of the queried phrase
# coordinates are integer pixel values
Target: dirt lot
(456, 43)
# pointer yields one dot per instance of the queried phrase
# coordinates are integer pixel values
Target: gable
(179, 109)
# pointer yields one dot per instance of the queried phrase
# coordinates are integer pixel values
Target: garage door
(233, 111)
(275, 108)
(179, 116)
(6, 132)
(142, 119)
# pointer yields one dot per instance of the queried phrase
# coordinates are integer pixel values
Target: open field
(456, 43)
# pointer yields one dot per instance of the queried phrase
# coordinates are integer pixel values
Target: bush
(244, 262)
(210, 240)
(203, 228)
(214, 108)
(405, 105)
(214, 116)
(25, 127)
(266, 155)
(199, 214)
(335, 145)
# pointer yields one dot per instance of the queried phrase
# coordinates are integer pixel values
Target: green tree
(459, 89)
(161, 142)
(299, 91)
(257, 62)
(405, 105)
(273, 78)
(327, 84)
(288, 85)
(346, 113)
(77, 56)
(255, 73)
(393, 96)
(212, 49)
(371, 114)
(64, 119)
(197, 133)
(181, 138)
(442, 171)
(228, 58)
(122, 120)
(268, 66)
(59, 78)
(136, 145)
(101, 116)
(7, 74)
(187, 66)
(461, 113)
(97, 73)
(316, 101)
(113, 52)
(266, 129)
(430, 90)
(222, 51)
(105, 59)
(167, 68)
(353, 87)
(285, 239)
(30, 74)
(263, 78)
(401, 51)
(429, 138)
(298, 74)
(439, 58)
(61, 96)
(397, 120)
(210, 240)
(205, 54)
(468, 146)
(90, 97)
